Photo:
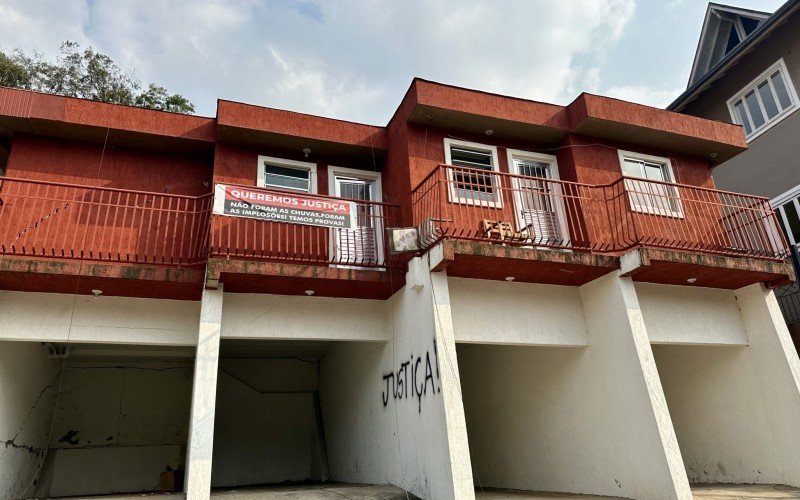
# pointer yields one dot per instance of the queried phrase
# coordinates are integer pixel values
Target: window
(467, 183)
(650, 197)
(290, 175)
(765, 101)
(787, 207)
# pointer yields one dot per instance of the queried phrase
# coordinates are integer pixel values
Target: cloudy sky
(354, 59)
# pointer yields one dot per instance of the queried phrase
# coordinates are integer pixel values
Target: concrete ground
(328, 491)
(743, 491)
(340, 491)
(699, 491)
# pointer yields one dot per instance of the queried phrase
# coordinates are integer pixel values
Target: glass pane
(792, 219)
(741, 117)
(733, 40)
(780, 89)
(471, 158)
(655, 172)
(354, 189)
(633, 168)
(286, 171)
(533, 168)
(768, 100)
(749, 24)
(284, 177)
(754, 109)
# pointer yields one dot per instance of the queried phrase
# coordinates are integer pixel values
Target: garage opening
(270, 429)
(520, 404)
(726, 413)
(120, 421)
(268, 426)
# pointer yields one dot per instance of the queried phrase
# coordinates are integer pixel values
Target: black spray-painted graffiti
(413, 378)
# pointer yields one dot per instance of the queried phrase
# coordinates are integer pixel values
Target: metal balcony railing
(70, 221)
(473, 204)
(364, 246)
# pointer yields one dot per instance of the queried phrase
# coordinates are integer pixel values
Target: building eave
(760, 33)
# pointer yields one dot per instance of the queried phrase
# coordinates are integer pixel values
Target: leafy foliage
(87, 74)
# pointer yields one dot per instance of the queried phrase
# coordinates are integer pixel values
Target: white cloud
(643, 94)
(351, 59)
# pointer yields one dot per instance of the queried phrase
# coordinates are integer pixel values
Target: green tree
(14, 70)
(87, 74)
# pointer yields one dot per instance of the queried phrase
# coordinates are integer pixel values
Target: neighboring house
(747, 71)
(222, 293)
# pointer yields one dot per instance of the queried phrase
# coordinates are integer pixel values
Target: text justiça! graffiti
(414, 378)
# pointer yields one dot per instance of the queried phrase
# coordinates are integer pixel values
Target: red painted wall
(586, 160)
(76, 162)
(238, 164)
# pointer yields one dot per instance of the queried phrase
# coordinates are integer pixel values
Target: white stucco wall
(735, 409)
(119, 423)
(49, 317)
(690, 315)
(28, 385)
(255, 316)
(495, 312)
(412, 436)
(267, 428)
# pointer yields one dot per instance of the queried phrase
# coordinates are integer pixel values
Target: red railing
(472, 204)
(68, 221)
(362, 247)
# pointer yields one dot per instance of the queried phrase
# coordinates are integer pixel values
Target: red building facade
(127, 192)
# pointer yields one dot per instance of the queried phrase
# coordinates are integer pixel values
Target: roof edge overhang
(247, 123)
(714, 73)
(472, 111)
(26, 111)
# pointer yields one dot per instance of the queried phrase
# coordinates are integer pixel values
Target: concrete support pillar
(632, 450)
(456, 425)
(393, 411)
(433, 448)
(772, 369)
(204, 393)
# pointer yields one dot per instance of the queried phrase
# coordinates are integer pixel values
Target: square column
(204, 394)
(768, 384)
(633, 451)
(393, 411)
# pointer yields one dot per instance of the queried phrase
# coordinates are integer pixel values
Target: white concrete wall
(119, 423)
(412, 434)
(49, 317)
(267, 428)
(254, 316)
(690, 315)
(735, 409)
(496, 312)
(28, 386)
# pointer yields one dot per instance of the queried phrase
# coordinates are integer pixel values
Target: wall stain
(69, 437)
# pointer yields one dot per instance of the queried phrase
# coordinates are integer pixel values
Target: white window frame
(283, 162)
(779, 202)
(379, 232)
(678, 213)
(779, 66)
(452, 193)
(513, 154)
